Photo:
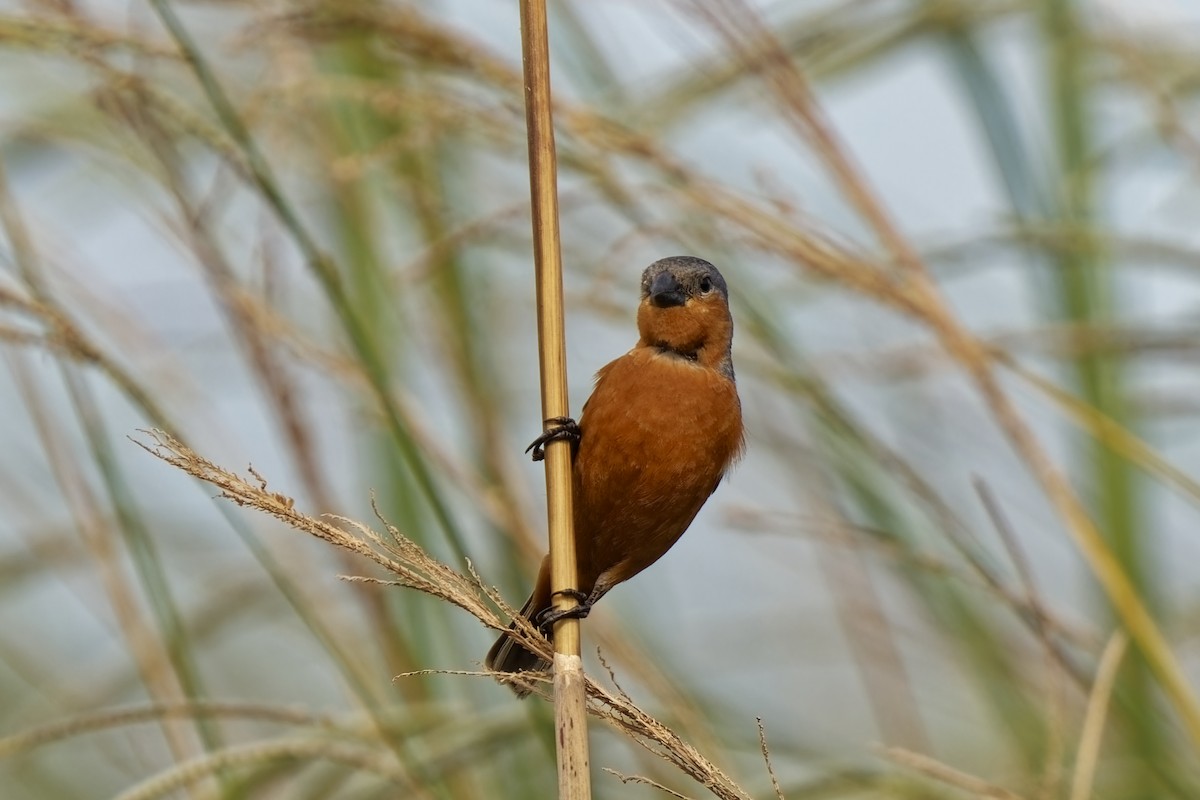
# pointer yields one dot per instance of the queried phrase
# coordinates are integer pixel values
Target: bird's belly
(648, 459)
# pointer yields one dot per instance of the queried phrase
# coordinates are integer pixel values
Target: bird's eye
(705, 285)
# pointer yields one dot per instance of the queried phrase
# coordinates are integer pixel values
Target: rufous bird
(661, 429)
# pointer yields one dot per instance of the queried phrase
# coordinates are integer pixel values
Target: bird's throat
(674, 352)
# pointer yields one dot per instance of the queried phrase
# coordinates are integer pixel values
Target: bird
(662, 427)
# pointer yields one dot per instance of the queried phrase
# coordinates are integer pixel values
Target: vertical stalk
(1086, 301)
(570, 712)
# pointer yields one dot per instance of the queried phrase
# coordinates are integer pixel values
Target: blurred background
(296, 235)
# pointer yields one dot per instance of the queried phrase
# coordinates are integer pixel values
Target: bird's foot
(580, 597)
(557, 429)
(545, 619)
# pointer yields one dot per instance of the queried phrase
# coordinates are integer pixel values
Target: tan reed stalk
(570, 701)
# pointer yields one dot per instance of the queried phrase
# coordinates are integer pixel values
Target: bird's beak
(665, 291)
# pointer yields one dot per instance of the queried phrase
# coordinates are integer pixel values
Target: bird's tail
(507, 654)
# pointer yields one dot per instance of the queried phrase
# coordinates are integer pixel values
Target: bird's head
(685, 311)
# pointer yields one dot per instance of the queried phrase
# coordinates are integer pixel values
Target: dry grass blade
(943, 773)
(646, 781)
(303, 750)
(116, 717)
(1056, 670)
(1093, 721)
(749, 36)
(414, 568)
(660, 740)
(766, 754)
(399, 555)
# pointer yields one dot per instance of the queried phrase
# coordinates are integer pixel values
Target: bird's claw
(557, 429)
(547, 617)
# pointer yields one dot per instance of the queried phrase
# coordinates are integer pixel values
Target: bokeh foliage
(296, 235)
